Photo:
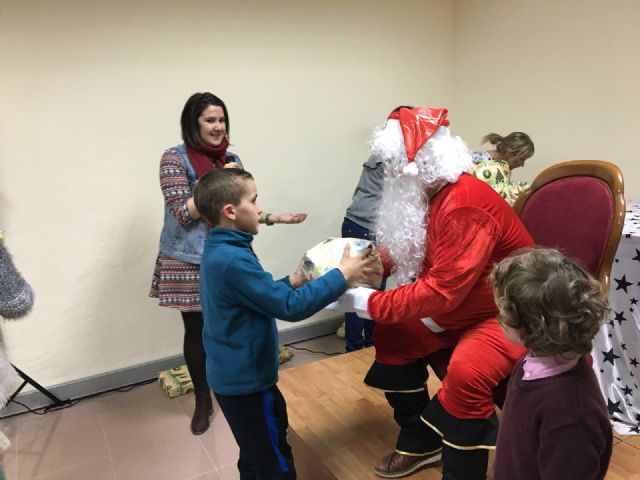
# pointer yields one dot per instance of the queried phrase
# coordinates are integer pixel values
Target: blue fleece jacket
(239, 302)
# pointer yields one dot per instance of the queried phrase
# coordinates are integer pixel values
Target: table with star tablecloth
(616, 349)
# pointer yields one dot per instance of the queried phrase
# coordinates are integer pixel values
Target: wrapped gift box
(327, 255)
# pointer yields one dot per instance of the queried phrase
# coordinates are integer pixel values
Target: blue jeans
(358, 332)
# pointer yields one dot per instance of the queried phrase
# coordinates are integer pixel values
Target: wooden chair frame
(609, 174)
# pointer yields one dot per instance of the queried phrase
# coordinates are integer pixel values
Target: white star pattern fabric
(616, 349)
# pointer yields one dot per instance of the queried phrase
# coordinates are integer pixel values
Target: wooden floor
(349, 426)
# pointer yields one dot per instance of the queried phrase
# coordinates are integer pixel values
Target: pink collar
(543, 367)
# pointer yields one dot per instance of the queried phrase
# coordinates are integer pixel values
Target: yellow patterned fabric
(492, 171)
(327, 255)
(497, 174)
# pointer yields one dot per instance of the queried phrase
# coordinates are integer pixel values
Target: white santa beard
(387, 143)
(401, 227)
(402, 217)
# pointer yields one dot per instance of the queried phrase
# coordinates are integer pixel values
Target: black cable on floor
(128, 388)
(71, 403)
(329, 354)
(47, 409)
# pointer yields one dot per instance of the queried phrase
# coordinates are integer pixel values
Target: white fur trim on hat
(411, 169)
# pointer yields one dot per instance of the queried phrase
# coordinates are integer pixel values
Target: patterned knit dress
(176, 283)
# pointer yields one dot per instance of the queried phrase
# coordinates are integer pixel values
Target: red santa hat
(418, 126)
(418, 152)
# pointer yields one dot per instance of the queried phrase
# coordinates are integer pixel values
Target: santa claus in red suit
(443, 230)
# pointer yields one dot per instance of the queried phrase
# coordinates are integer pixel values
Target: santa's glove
(353, 300)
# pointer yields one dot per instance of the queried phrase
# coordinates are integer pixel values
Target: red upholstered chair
(578, 208)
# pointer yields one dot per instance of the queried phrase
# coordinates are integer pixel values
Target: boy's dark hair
(556, 304)
(217, 188)
(192, 110)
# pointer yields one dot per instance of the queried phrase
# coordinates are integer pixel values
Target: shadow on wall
(135, 329)
(115, 323)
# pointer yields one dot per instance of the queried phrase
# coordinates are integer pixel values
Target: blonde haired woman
(494, 166)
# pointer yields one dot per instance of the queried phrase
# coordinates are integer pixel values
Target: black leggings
(194, 353)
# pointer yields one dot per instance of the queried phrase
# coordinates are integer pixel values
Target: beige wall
(90, 96)
(564, 71)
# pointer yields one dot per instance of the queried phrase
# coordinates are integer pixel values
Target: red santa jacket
(470, 227)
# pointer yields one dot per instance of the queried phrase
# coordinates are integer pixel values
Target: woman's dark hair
(192, 111)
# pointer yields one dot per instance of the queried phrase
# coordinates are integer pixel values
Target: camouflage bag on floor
(176, 381)
(285, 354)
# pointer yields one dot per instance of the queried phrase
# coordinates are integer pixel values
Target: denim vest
(186, 242)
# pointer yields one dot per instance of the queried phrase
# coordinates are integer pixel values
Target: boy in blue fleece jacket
(240, 302)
